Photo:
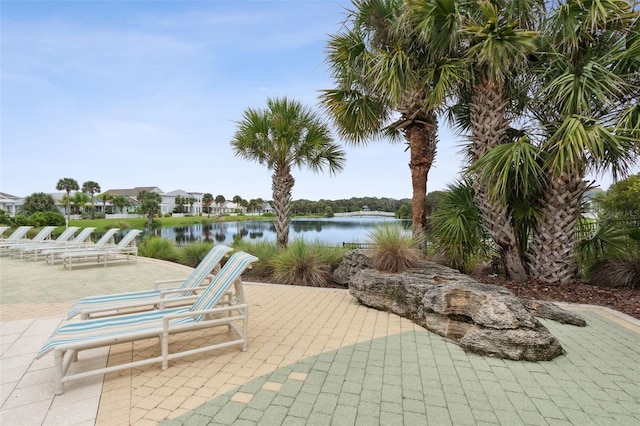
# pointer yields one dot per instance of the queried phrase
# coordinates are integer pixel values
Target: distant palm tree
(91, 187)
(220, 200)
(207, 200)
(283, 135)
(119, 202)
(68, 185)
(104, 197)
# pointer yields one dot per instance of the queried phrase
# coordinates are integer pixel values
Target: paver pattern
(315, 356)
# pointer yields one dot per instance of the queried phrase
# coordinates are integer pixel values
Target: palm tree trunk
(488, 125)
(422, 137)
(551, 252)
(282, 183)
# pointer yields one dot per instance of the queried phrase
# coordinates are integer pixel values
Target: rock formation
(481, 318)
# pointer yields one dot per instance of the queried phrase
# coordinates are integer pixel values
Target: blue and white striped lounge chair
(122, 303)
(9, 244)
(126, 249)
(211, 309)
(106, 240)
(31, 250)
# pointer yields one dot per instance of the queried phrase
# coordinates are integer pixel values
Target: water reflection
(334, 231)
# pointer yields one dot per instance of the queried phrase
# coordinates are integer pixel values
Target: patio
(315, 357)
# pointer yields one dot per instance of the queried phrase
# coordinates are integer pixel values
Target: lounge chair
(124, 250)
(106, 240)
(8, 245)
(24, 251)
(18, 235)
(211, 309)
(3, 229)
(117, 304)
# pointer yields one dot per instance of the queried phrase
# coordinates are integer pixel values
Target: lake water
(329, 231)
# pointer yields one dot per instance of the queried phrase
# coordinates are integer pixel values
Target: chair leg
(58, 358)
(164, 343)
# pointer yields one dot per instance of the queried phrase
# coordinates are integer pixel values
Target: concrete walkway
(315, 357)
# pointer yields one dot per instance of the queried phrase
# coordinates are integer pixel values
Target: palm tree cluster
(544, 92)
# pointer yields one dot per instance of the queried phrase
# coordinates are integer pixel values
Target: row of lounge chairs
(202, 301)
(69, 249)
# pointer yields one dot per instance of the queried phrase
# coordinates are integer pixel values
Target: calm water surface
(330, 231)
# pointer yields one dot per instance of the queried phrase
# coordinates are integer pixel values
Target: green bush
(394, 251)
(49, 218)
(264, 251)
(302, 264)
(192, 254)
(158, 248)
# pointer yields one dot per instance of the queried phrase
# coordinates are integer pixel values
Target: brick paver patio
(315, 356)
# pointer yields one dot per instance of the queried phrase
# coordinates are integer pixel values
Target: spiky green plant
(302, 264)
(395, 250)
(264, 251)
(617, 272)
(192, 254)
(158, 248)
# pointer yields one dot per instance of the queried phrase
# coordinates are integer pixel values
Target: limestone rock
(481, 318)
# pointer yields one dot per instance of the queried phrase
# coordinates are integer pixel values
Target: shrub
(49, 218)
(123, 225)
(192, 254)
(620, 272)
(302, 264)
(263, 250)
(158, 248)
(394, 251)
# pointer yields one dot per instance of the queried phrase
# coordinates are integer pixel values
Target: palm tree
(498, 53)
(588, 108)
(220, 200)
(120, 202)
(284, 135)
(80, 200)
(207, 200)
(68, 185)
(91, 187)
(389, 82)
(104, 197)
(149, 205)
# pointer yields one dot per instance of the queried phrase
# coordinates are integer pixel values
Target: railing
(354, 246)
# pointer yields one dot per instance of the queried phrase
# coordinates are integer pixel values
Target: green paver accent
(419, 378)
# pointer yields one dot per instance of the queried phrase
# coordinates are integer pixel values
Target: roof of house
(133, 192)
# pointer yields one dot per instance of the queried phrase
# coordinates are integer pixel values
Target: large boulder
(481, 318)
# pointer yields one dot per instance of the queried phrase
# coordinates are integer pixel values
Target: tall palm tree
(500, 43)
(588, 109)
(90, 187)
(388, 84)
(68, 185)
(284, 135)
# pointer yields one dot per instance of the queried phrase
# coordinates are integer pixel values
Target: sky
(150, 93)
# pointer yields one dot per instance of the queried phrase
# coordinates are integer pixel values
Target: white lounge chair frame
(32, 249)
(19, 235)
(3, 229)
(125, 250)
(126, 303)
(211, 309)
(9, 245)
(107, 240)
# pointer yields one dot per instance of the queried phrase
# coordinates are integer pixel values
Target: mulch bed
(625, 300)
